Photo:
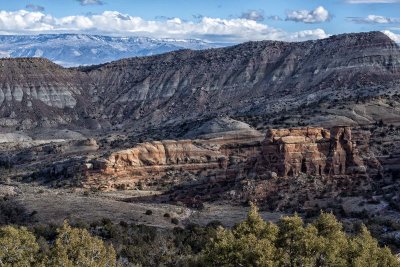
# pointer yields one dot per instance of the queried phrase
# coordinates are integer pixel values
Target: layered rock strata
(216, 159)
(283, 153)
(245, 80)
(316, 152)
(313, 151)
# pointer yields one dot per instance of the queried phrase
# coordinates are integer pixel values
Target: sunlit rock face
(314, 151)
(286, 153)
(215, 159)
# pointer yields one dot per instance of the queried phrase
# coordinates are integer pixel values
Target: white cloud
(320, 14)
(375, 19)
(25, 21)
(115, 23)
(395, 37)
(307, 35)
(257, 15)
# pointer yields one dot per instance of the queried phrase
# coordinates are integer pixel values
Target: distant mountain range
(71, 50)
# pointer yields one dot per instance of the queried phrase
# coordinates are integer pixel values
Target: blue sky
(213, 20)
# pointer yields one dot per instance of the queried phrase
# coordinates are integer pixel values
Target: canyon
(293, 127)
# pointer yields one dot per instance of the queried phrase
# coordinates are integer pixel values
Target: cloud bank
(116, 23)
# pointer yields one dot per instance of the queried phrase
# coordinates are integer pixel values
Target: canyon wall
(313, 151)
(216, 158)
(283, 153)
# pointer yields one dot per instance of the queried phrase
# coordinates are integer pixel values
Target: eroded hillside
(251, 79)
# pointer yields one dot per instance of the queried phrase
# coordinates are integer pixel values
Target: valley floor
(55, 205)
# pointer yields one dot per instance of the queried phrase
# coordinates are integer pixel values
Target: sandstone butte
(282, 153)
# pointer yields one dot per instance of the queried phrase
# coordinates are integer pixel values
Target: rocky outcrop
(316, 152)
(216, 158)
(313, 151)
(291, 153)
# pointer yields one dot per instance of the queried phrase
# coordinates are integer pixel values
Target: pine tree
(255, 224)
(18, 247)
(76, 247)
(333, 244)
(364, 251)
(249, 243)
(291, 243)
(297, 245)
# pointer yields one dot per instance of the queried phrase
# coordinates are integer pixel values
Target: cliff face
(283, 153)
(251, 78)
(153, 161)
(312, 151)
(36, 92)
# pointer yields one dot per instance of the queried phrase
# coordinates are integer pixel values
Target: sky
(208, 20)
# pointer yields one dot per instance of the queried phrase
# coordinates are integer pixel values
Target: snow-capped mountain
(81, 49)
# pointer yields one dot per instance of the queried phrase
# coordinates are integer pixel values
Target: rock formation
(216, 158)
(312, 151)
(315, 152)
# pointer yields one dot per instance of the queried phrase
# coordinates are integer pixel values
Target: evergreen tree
(333, 242)
(291, 243)
(249, 243)
(364, 251)
(18, 247)
(297, 245)
(75, 247)
(253, 242)
(255, 224)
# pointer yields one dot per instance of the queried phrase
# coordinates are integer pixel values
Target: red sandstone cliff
(313, 151)
(218, 158)
(286, 152)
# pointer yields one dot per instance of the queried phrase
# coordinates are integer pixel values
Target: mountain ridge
(84, 49)
(249, 79)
